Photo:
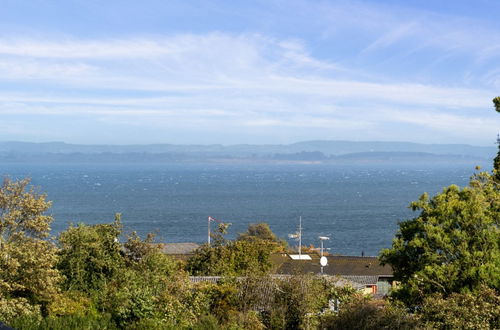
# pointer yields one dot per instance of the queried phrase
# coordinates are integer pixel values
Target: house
(367, 271)
(364, 272)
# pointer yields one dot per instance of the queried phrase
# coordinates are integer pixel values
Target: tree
(234, 258)
(258, 231)
(28, 277)
(250, 253)
(496, 102)
(147, 257)
(496, 162)
(262, 232)
(452, 246)
(90, 255)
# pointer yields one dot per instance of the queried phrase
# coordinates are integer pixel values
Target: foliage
(28, 278)
(206, 322)
(249, 320)
(496, 161)
(181, 303)
(127, 298)
(298, 302)
(478, 310)
(22, 211)
(234, 258)
(262, 231)
(250, 253)
(147, 258)
(496, 103)
(70, 322)
(452, 246)
(222, 298)
(90, 255)
(14, 308)
(69, 303)
(367, 314)
(218, 236)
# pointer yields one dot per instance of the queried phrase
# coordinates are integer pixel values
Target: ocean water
(358, 207)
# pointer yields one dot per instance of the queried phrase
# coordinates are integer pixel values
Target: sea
(357, 206)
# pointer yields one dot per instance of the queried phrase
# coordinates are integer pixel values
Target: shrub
(479, 310)
(366, 314)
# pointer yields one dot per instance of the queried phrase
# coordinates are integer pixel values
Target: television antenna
(298, 235)
(323, 261)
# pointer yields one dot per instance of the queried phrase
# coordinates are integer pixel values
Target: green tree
(496, 162)
(223, 257)
(146, 257)
(90, 255)
(262, 231)
(258, 231)
(234, 258)
(452, 246)
(28, 277)
(496, 103)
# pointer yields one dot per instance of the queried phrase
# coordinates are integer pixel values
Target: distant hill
(327, 147)
(324, 151)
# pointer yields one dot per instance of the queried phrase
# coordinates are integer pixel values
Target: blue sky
(134, 72)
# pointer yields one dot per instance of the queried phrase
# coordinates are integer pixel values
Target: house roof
(337, 265)
(179, 248)
(361, 279)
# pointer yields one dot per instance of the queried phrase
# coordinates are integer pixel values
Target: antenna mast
(300, 236)
(323, 261)
(208, 237)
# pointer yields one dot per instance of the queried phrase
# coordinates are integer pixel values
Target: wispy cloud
(244, 81)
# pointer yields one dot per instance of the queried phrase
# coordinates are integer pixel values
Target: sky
(258, 72)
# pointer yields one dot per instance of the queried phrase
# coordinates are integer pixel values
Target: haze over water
(357, 206)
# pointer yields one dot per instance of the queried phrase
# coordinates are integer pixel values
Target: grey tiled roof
(179, 248)
(361, 279)
(337, 265)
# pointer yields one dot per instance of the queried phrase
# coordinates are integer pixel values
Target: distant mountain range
(318, 151)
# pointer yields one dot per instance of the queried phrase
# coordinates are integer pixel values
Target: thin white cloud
(392, 36)
(91, 49)
(223, 79)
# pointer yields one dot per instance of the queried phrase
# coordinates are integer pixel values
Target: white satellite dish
(323, 261)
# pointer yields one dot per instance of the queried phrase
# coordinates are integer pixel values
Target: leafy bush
(90, 255)
(235, 258)
(13, 308)
(366, 314)
(69, 303)
(71, 322)
(479, 310)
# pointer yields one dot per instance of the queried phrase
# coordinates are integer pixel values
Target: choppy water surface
(358, 207)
